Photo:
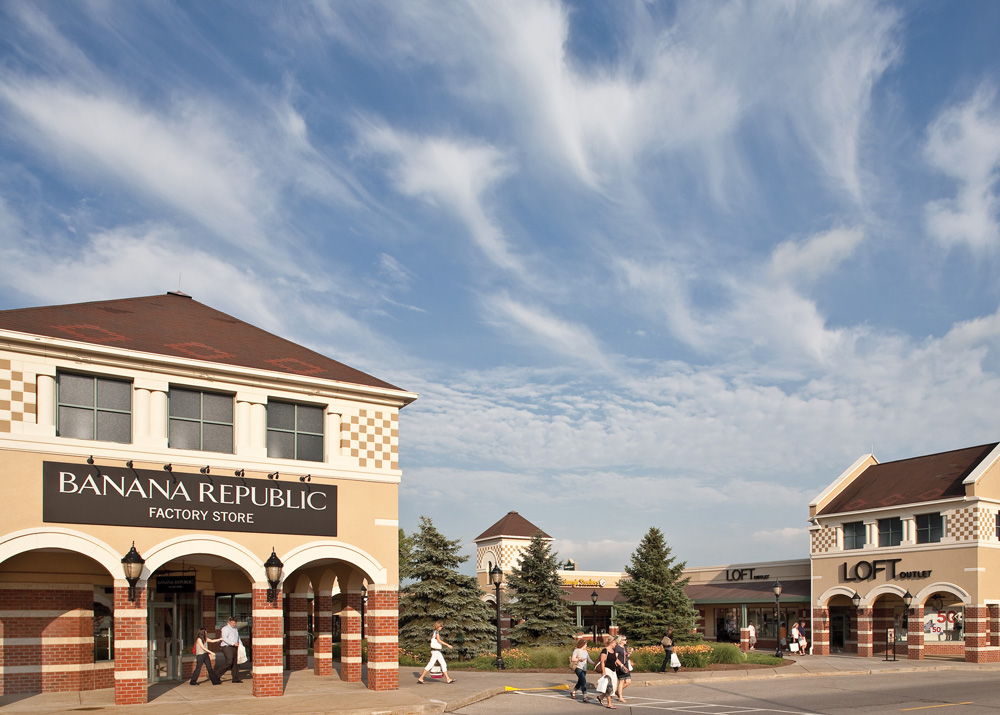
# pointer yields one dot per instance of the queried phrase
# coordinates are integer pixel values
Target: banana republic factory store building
(166, 466)
(906, 556)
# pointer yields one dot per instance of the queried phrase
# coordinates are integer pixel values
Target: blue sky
(647, 264)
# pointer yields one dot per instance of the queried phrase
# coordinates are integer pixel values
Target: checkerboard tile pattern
(17, 397)
(969, 524)
(372, 437)
(824, 540)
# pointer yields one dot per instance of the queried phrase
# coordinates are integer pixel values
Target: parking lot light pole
(777, 618)
(593, 599)
(496, 578)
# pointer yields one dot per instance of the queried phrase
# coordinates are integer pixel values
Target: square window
(91, 407)
(930, 528)
(854, 535)
(201, 420)
(890, 531)
(294, 431)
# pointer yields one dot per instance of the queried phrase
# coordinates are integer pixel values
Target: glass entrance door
(165, 643)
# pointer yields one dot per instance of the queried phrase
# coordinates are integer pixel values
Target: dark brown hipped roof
(909, 481)
(753, 592)
(176, 325)
(511, 525)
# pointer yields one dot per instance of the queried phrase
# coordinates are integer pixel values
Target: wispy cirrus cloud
(964, 144)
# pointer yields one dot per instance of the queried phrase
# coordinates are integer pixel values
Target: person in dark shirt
(608, 665)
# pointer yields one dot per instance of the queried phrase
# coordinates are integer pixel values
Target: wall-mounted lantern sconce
(907, 600)
(273, 568)
(132, 565)
(240, 473)
(90, 459)
(856, 600)
(205, 470)
(307, 478)
(272, 475)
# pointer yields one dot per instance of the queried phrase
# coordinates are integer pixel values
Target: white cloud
(964, 144)
(819, 254)
(186, 161)
(451, 174)
(536, 326)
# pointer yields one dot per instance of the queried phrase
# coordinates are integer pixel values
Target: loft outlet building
(166, 466)
(726, 599)
(906, 556)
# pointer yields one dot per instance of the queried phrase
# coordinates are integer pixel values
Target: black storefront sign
(119, 496)
(175, 584)
(869, 570)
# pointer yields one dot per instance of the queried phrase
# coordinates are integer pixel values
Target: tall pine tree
(655, 593)
(440, 593)
(536, 598)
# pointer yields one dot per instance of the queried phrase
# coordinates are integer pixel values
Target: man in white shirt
(230, 649)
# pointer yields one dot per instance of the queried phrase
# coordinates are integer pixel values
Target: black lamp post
(496, 578)
(593, 599)
(132, 565)
(777, 618)
(273, 568)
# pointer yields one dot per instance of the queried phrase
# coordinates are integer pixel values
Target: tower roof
(513, 524)
(175, 325)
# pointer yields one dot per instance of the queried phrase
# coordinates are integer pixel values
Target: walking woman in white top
(436, 657)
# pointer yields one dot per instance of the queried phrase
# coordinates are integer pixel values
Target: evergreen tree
(440, 593)
(405, 556)
(536, 598)
(655, 593)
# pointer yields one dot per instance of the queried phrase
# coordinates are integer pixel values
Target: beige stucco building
(208, 445)
(906, 554)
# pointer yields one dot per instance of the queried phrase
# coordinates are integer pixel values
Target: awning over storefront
(581, 595)
(755, 592)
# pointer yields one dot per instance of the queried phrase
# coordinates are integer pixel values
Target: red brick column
(298, 631)
(46, 635)
(322, 637)
(350, 637)
(744, 639)
(268, 642)
(382, 632)
(977, 636)
(821, 631)
(915, 634)
(131, 652)
(865, 635)
(994, 609)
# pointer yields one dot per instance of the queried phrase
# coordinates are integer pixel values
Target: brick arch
(54, 537)
(883, 590)
(301, 556)
(824, 598)
(252, 564)
(920, 598)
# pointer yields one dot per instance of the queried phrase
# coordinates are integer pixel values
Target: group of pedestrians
(230, 639)
(614, 665)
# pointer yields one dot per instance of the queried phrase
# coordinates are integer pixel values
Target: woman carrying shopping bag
(436, 657)
(607, 666)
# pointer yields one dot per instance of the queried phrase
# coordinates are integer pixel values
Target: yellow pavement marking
(554, 687)
(945, 705)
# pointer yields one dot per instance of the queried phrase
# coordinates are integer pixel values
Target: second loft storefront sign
(119, 496)
(869, 570)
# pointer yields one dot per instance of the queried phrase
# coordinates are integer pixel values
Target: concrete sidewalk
(307, 694)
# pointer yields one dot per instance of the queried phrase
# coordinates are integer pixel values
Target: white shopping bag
(241, 653)
(675, 662)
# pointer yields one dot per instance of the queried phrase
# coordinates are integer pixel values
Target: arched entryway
(336, 587)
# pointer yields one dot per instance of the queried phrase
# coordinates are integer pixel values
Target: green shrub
(694, 660)
(727, 654)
